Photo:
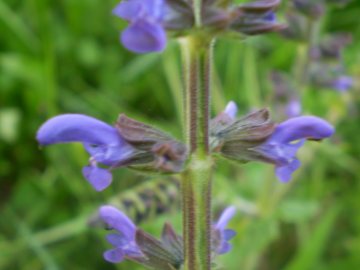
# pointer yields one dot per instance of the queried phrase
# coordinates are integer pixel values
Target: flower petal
(99, 178)
(284, 173)
(119, 221)
(224, 248)
(132, 10)
(302, 127)
(270, 17)
(114, 255)
(128, 10)
(293, 108)
(228, 234)
(77, 128)
(110, 154)
(156, 8)
(280, 153)
(144, 36)
(116, 240)
(225, 217)
(231, 109)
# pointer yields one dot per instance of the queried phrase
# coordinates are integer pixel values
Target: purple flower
(342, 83)
(223, 235)
(281, 147)
(124, 239)
(145, 32)
(255, 138)
(103, 142)
(231, 109)
(293, 108)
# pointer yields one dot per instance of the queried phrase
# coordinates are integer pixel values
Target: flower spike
(167, 253)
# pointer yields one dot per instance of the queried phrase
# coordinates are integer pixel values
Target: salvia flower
(236, 138)
(102, 141)
(124, 238)
(129, 143)
(145, 32)
(151, 21)
(293, 108)
(281, 147)
(222, 235)
(256, 138)
(131, 243)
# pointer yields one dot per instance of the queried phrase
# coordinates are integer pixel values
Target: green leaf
(310, 253)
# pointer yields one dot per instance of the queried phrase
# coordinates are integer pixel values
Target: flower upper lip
(102, 141)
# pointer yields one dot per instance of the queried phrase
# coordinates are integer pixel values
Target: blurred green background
(64, 56)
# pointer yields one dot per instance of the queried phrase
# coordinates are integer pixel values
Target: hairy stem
(196, 180)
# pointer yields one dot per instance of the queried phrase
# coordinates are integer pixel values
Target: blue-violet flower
(222, 234)
(124, 239)
(103, 142)
(255, 138)
(281, 147)
(293, 108)
(130, 242)
(145, 32)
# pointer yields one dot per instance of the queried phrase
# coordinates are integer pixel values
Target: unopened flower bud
(256, 18)
(296, 27)
(311, 8)
(331, 47)
(236, 140)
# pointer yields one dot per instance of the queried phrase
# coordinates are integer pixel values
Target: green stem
(303, 60)
(196, 195)
(196, 180)
(197, 6)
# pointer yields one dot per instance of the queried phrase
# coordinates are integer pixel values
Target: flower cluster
(129, 144)
(134, 144)
(151, 20)
(139, 146)
(255, 138)
(132, 243)
(326, 67)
